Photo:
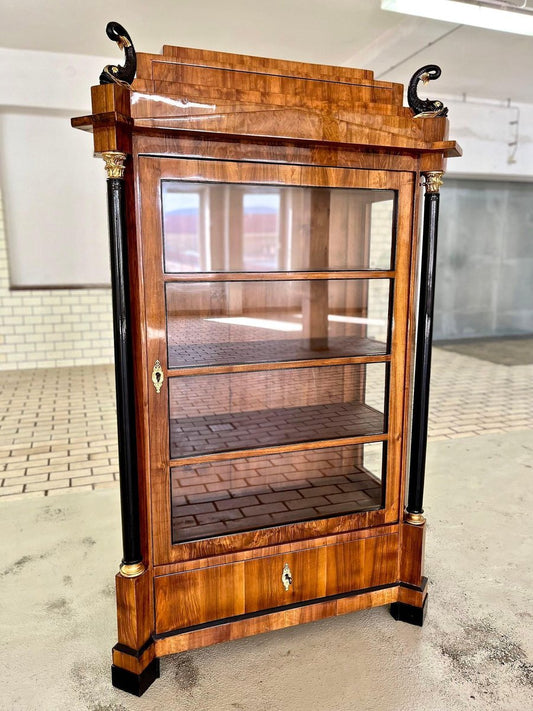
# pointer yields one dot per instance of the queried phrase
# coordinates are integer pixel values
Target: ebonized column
(131, 565)
(424, 336)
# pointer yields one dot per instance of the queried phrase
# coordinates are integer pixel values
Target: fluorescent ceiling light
(465, 13)
(275, 325)
(357, 319)
(270, 324)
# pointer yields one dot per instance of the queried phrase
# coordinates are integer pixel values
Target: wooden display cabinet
(272, 406)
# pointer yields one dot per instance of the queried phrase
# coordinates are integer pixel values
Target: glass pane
(218, 498)
(219, 413)
(227, 227)
(219, 323)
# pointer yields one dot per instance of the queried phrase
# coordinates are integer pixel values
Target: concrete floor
(475, 652)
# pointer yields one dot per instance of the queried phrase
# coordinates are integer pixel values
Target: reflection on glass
(218, 413)
(184, 248)
(227, 227)
(220, 498)
(261, 227)
(220, 323)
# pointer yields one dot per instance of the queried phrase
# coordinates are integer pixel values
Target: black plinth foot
(409, 613)
(135, 683)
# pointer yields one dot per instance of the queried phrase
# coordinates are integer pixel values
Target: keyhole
(157, 376)
(286, 577)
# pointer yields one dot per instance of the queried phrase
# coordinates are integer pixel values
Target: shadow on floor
(511, 350)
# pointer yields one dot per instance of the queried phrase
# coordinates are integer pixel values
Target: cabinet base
(409, 613)
(135, 683)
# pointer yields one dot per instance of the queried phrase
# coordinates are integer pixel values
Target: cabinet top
(206, 92)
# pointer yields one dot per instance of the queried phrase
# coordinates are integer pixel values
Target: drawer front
(362, 564)
(197, 596)
(264, 585)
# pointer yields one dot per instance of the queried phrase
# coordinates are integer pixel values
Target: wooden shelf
(208, 434)
(290, 349)
(321, 491)
(169, 277)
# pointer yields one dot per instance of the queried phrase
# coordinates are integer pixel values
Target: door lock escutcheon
(157, 376)
(286, 576)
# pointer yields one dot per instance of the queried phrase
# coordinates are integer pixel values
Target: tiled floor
(58, 431)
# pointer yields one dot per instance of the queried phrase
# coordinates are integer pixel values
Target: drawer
(264, 585)
(197, 596)
(215, 593)
(361, 564)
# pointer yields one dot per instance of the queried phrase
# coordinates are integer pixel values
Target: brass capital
(433, 180)
(132, 570)
(417, 519)
(114, 163)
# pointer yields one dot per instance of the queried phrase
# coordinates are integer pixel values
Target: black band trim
(420, 588)
(137, 653)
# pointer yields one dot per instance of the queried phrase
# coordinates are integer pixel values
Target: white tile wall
(53, 327)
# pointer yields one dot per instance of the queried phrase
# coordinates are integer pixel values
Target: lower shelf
(315, 494)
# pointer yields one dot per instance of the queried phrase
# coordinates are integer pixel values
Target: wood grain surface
(273, 621)
(197, 596)
(193, 597)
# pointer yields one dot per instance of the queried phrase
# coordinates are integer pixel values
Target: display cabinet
(271, 388)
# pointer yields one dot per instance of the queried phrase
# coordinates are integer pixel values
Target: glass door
(271, 298)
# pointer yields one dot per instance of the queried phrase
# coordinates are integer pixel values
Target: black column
(424, 335)
(127, 451)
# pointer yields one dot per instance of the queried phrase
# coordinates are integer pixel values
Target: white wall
(484, 130)
(54, 214)
(52, 328)
(54, 194)
(54, 198)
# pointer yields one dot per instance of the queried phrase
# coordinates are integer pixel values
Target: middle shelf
(226, 323)
(252, 410)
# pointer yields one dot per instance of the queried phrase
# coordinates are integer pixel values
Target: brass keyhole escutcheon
(286, 576)
(157, 376)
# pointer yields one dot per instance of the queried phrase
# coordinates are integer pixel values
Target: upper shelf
(191, 90)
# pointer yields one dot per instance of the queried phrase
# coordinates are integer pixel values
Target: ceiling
(476, 62)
